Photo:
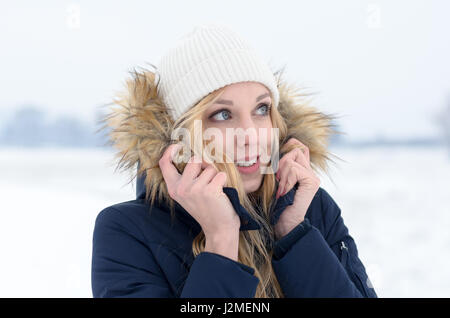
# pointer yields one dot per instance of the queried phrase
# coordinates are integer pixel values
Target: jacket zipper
(345, 260)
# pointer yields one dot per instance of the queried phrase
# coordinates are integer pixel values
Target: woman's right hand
(200, 193)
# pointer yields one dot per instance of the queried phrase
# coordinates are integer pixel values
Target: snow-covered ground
(395, 202)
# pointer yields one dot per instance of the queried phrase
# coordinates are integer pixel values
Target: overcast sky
(380, 65)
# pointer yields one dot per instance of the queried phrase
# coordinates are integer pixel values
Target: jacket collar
(247, 221)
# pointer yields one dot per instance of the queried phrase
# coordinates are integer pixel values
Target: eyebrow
(229, 102)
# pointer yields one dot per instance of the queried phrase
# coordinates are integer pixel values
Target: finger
(293, 142)
(290, 156)
(281, 164)
(306, 153)
(298, 156)
(192, 170)
(286, 175)
(297, 174)
(168, 170)
(219, 181)
(277, 173)
(292, 178)
(206, 175)
(283, 172)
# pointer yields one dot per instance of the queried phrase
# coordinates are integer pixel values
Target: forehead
(244, 89)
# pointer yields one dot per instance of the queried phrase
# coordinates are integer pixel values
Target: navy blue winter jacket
(137, 253)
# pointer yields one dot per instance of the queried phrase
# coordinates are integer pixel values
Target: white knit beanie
(209, 57)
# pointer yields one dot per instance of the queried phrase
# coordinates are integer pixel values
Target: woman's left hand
(295, 167)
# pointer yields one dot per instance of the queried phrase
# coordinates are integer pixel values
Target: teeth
(246, 163)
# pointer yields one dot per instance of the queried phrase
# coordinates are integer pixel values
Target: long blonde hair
(254, 245)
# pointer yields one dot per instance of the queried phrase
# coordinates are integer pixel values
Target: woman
(222, 216)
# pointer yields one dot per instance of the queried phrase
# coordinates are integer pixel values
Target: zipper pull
(344, 254)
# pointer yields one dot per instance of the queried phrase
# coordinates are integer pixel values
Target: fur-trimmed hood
(140, 129)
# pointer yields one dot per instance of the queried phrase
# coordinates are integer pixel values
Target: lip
(248, 159)
(250, 169)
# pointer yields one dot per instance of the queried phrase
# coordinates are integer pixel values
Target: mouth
(248, 166)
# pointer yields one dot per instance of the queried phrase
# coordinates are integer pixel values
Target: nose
(247, 136)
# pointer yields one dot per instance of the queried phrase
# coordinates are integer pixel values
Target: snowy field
(395, 202)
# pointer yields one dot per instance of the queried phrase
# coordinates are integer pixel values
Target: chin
(252, 185)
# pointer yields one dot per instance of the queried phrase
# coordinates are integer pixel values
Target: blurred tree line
(30, 127)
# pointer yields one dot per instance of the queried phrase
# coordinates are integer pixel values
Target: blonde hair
(254, 245)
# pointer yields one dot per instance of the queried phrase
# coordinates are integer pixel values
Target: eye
(263, 109)
(221, 115)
